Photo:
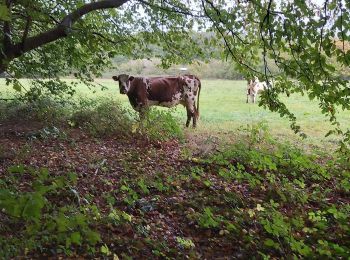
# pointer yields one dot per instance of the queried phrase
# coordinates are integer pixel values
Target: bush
(102, 117)
(46, 110)
(160, 125)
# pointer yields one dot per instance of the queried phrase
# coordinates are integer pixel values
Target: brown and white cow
(144, 92)
(254, 87)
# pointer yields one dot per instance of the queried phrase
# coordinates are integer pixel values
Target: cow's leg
(191, 113)
(190, 100)
(254, 98)
(188, 117)
(194, 115)
(247, 98)
(142, 114)
(143, 111)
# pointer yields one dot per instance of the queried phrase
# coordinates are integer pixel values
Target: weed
(185, 242)
(208, 220)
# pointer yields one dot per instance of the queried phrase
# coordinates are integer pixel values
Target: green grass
(223, 110)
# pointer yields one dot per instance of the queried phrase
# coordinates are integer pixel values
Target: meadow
(223, 110)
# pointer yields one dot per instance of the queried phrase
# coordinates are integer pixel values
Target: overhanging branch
(63, 28)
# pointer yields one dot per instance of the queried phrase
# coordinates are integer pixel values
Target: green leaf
(62, 223)
(270, 243)
(17, 86)
(105, 250)
(32, 209)
(93, 237)
(16, 169)
(4, 13)
(126, 216)
(75, 238)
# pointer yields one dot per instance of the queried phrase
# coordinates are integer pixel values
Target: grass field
(223, 110)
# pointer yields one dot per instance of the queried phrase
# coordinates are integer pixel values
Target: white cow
(254, 87)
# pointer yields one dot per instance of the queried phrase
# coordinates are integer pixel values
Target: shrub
(160, 125)
(102, 117)
(44, 109)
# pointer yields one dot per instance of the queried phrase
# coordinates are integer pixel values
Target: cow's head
(124, 82)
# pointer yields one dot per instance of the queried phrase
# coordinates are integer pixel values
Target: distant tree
(307, 42)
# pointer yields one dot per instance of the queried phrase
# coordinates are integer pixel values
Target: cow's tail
(199, 91)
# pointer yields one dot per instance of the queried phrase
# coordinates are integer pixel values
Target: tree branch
(264, 41)
(226, 42)
(7, 29)
(63, 28)
(26, 29)
(175, 9)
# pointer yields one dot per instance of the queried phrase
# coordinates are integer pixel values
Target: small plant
(208, 220)
(131, 196)
(51, 132)
(185, 242)
(143, 186)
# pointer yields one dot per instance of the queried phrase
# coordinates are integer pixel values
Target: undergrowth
(99, 117)
(49, 211)
(257, 198)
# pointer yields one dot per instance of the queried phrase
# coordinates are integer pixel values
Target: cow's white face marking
(124, 82)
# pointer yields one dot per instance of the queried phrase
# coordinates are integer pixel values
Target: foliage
(160, 125)
(48, 213)
(133, 198)
(300, 37)
(102, 117)
(32, 41)
(44, 109)
(208, 220)
(186, 243)
(287, 177)
(107, 117)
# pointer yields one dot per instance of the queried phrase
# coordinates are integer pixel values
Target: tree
(307, 42)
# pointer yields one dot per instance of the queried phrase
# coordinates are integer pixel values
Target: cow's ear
(131, 78)
(116, 78)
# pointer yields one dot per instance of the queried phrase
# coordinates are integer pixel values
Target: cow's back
(164, 89)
